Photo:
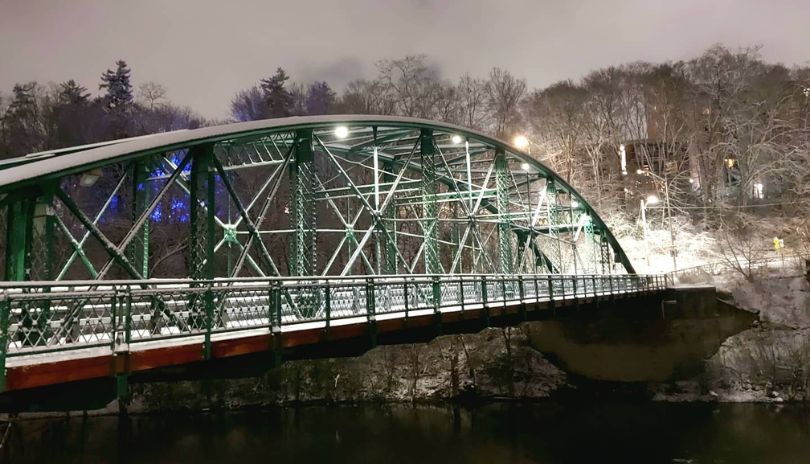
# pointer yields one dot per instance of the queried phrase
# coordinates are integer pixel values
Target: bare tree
(412, 83)
(557, 120)
(472, 94)
(504, 93)
(152, 94)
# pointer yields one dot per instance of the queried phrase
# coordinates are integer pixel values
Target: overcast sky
(203, 51)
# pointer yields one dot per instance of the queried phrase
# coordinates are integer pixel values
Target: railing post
(522, 294)
(114, 320)
(484, 305)
(437, 294)
(328, 303)
(550, 292)
(371, 311)
(461, 292)
(209, 319)
(128, 320)
(503, 289)
(121, 312)
(274, 315)
(593, 279)
(5, 311)
(406, 297)
(370, 300)
(437, 302)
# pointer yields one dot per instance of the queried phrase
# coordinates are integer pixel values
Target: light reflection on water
(547, 432)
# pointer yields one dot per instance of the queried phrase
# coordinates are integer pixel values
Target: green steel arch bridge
(269, 236)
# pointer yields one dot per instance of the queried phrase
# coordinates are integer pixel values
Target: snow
(45, 163)
(236, 323)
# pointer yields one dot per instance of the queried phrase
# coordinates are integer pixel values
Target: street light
(520, 142)
(456, 139)
(341, 132)
(644, 230)
(668, 208)
(623, 158)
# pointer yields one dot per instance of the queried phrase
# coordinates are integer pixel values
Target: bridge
(272, 236)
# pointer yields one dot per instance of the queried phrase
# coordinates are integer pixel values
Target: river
(545, 432)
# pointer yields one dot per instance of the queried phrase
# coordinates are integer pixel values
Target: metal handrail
(125, 312)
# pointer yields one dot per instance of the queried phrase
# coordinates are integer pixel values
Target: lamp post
(664, 181)
(650, 200)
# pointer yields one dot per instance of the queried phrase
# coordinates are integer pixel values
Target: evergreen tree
(320, 98)
(249, 105)
(119, 88)
(71, 93)
(70, 115)
(279, 99)
(22, 124)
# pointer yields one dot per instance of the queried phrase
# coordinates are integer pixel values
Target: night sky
(204, 51)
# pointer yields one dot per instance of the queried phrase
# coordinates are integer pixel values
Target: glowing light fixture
(623, 156)
(759, 190)
(89, 178)
(456, 139)
(525, 166)
(341, 132)
(520, 142)
(652, 199)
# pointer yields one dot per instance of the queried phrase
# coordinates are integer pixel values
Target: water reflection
(548, 432)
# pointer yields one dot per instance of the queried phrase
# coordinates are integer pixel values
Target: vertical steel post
(203, 239)
(430, 209)
(36, 318)
(18, 235)
(302, 206)
(303, 216)
(552, 203)
(390, 214)
(22, 209)
(141, 195)
(502, 183)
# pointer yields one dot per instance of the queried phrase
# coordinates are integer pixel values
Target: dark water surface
(547, 432)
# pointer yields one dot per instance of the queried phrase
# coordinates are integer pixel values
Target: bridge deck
(64, 333)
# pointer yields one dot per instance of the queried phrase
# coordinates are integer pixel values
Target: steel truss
(283, 198)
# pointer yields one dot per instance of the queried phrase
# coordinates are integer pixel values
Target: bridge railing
(42, 317)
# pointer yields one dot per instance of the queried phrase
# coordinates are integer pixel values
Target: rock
(494, 363)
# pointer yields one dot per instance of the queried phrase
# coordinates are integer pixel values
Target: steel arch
(393, 196)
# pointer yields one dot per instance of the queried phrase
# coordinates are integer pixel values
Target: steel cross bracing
(380, 197)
